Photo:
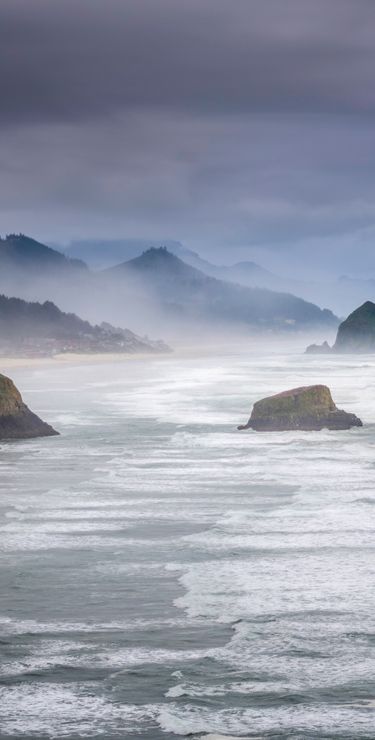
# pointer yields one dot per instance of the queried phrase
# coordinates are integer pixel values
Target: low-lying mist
(159, 295)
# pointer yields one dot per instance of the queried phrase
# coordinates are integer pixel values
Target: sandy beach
(72, 358)
(212, 347)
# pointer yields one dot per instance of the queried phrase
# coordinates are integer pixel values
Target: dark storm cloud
(228, 124)
(69, 59)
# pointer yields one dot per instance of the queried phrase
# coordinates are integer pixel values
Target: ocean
(166, 576)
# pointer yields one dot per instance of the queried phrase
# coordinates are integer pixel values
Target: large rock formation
(319, 349)
(307, 408)
(16, 419)
(356, 334)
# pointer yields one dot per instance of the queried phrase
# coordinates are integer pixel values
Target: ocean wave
(304, 718)
(51, 710)
(48, 655)
(11, 626)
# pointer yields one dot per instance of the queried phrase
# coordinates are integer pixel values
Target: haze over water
(164, 575)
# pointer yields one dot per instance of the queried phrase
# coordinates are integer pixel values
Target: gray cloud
(78, 58)
(230, 125)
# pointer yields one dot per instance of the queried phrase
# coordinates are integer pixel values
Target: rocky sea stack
(355, 335)
(308, 408)
(16, 419)
(357, 332)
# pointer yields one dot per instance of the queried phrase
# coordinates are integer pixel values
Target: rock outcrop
(16, 419)
(355, 335)
(308, 408)
(319, 349)
(357, 332)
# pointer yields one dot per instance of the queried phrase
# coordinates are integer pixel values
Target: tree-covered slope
(42, 328)
(188, 291)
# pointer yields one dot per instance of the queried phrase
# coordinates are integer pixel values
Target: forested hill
(20, 252)
(41, 328)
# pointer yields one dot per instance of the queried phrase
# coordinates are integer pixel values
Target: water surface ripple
(165, 576)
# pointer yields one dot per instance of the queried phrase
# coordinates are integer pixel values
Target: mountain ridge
(340, 293)
(156, 288)
(173, 280)
(33, 253)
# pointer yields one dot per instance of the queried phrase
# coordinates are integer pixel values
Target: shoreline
(72, 358)
(240, 345)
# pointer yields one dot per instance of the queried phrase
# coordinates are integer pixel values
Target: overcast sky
(240, 127)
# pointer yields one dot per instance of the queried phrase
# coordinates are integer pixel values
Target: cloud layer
(238, 127)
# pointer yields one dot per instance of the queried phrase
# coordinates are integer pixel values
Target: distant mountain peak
(160, 259)
(27, 242)
(159, 253)
(21, 250)
(186, 291)
(105, 253)
(20, 237)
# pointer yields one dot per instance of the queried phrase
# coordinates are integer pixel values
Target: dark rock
(16, 419)
(319, 349)
(308, 408)
(357, 332)
(355, 335)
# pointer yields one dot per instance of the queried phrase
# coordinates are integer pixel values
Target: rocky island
(16, 419)
(308, 408)
(355, 334)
